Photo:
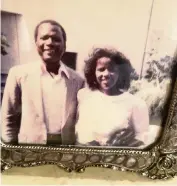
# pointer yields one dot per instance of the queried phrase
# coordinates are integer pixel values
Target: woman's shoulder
(136, 100)
(84, 92)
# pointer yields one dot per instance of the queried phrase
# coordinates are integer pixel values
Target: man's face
(50, 43)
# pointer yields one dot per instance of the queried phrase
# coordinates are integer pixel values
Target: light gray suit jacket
(22, 114)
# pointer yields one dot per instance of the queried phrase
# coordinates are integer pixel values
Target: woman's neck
(111, 92)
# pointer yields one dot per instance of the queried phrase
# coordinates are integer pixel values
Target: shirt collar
(62, 69)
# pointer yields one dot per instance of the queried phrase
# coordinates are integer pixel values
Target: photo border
(157, 162)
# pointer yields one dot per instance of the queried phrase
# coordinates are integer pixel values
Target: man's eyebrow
(45, 35)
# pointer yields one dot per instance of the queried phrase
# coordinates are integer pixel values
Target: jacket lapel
(70, 89)
(68, 129)
(34, 82)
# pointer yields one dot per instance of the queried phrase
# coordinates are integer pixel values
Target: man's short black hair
(52, 22)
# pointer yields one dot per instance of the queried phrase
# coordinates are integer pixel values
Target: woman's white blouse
(99, 116)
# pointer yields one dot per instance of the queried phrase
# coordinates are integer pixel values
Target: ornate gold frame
(157, 162)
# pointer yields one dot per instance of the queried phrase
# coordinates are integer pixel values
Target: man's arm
(11, 109)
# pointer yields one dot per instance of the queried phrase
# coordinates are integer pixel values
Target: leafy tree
(159, 69)
(153, 86)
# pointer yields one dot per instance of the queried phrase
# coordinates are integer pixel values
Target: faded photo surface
(77, 74)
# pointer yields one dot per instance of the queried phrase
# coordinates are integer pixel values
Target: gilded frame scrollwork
(156, 162)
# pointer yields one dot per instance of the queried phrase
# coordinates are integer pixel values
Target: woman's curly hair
(125, 67)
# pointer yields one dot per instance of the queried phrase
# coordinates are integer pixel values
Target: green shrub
(153, 86)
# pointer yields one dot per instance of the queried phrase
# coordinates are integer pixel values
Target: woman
(107, 113)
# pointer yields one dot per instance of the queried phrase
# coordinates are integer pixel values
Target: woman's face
(106, 73)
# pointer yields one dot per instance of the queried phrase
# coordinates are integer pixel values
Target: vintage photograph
(85, 78)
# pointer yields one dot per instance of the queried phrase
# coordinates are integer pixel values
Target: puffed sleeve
(140, 120)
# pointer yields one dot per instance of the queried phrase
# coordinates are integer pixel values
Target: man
(42, 96)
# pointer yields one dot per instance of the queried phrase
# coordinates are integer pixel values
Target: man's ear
(64, 48)
(35, 42)
(36, 46)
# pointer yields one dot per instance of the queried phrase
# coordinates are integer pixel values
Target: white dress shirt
(54, 95)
